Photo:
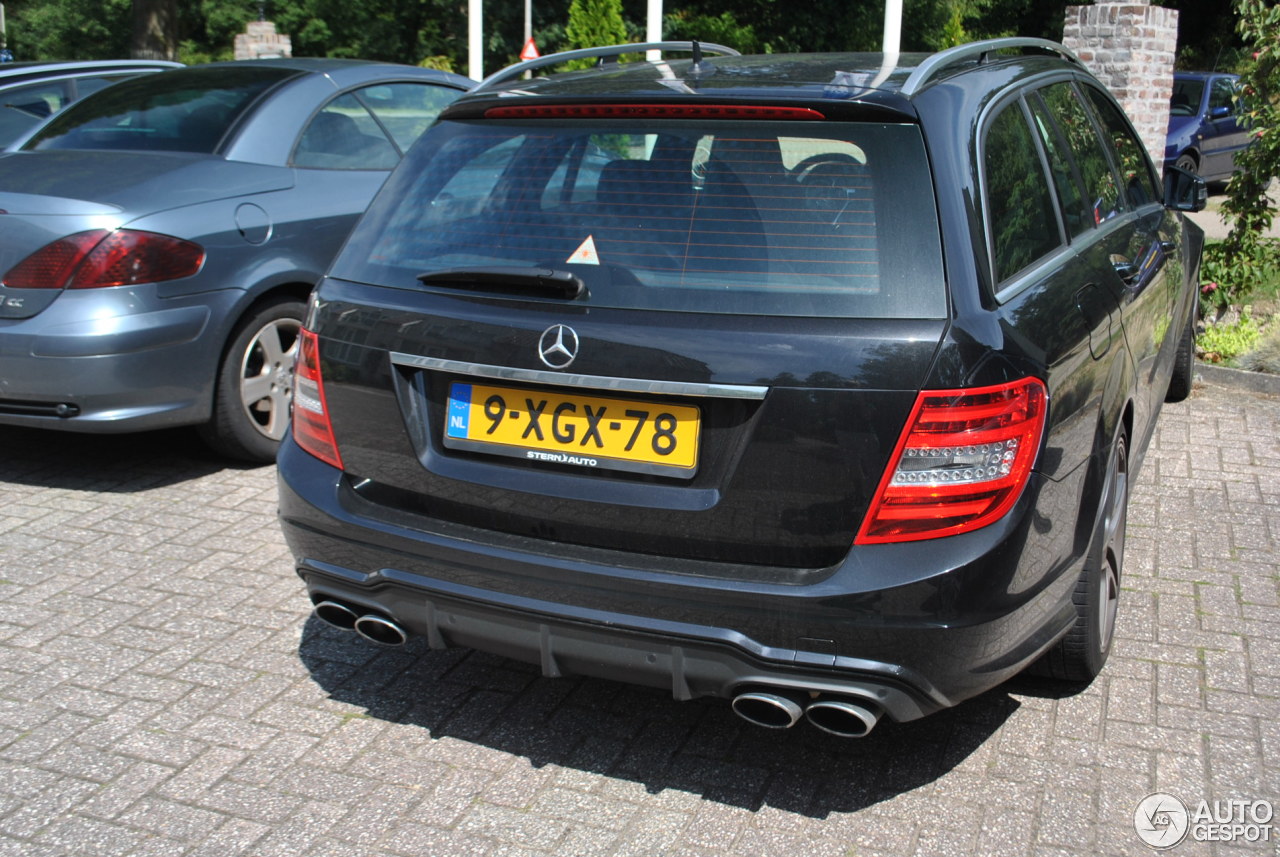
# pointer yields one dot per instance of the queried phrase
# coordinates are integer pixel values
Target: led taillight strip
(651, 111)
(961, 463)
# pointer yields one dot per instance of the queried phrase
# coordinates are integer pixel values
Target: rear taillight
(311, 427)
(102, 258)
(961, 462)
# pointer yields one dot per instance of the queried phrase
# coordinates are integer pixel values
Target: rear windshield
(186, 110)
(779, 218)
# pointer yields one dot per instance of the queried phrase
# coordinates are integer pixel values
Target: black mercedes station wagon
(812, 382)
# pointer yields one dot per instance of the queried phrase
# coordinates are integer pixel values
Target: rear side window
(1140, 184)
(185, 110)
(407, 109)
(1066, 180)
(1020, 207)
(24, 107)
(343, 135)
(762, 218)
(1101, 194)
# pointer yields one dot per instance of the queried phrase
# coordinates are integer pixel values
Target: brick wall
(1130, 47)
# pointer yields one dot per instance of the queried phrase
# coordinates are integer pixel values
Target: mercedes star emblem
(558, 346)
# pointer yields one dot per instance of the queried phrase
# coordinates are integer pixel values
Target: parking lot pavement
(163, 692)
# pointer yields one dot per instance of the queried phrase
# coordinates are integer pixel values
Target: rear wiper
(518, 279)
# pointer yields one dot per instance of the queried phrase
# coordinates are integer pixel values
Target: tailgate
(763, 455)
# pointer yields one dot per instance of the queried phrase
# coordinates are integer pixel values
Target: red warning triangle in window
(585, 254)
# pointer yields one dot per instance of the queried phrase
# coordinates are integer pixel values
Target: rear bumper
(139, 365)
(884, 627)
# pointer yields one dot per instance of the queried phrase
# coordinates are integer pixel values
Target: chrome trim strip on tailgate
(594, 382)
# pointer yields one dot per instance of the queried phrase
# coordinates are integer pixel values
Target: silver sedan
(159, 239)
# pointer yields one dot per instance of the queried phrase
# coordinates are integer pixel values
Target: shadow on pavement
(641, 734)
(114, 463)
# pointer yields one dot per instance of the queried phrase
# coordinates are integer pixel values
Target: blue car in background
(1205, 133)
(159, 239)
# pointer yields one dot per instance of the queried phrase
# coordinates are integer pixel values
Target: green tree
(1247, 204)
(593, 23)
(69, 29)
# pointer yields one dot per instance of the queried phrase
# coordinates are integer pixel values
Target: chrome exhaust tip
(770, 710)
(379, 629)
(843, 717)
(335, 614)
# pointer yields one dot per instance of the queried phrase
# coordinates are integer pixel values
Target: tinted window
(1140, 183)
(344, 136)
(1023, 225)
(1222, 94)
(186, 110)
(23, 107)
(695, 216)
(1102, 197)
(1186, 97)
(1066, 180)
(406, 109)
(89, 85)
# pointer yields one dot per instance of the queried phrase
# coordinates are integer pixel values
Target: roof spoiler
(512, 72)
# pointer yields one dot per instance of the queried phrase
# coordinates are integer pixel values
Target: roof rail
(514, 71)
(934, 66)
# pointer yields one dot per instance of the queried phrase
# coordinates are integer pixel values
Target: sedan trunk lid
(46, 196)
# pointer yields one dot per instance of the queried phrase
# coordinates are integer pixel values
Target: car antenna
(699, 67)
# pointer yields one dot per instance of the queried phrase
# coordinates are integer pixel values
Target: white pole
(4, 33)
(528, 31)
(892, 26)
(653, 30)
(475, 39)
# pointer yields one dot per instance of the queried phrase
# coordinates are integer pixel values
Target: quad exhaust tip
(844, 717)
(379, 629)
(770, 710)
(337, 615)
(371, 626)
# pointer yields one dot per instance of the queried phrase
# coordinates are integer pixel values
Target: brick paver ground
(163, 692)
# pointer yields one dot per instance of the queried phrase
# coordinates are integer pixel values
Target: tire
(254, 387)
(1081, 654)
(1183, 364)
(1187, 162)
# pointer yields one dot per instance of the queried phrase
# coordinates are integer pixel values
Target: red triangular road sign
(530, 51)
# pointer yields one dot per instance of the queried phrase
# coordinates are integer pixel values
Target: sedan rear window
(779, 218)
(186, 110)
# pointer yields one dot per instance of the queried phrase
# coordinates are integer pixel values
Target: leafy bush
(1238, 275)
(1223, 343)
(1246, 256)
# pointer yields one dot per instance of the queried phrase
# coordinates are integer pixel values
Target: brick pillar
(260, 40)
(1129, 45)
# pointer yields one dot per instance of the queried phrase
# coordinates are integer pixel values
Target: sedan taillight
(961, 462)
(101, 258)
(312, 429)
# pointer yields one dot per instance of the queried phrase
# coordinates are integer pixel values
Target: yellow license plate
(580, 430)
